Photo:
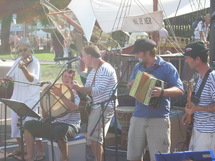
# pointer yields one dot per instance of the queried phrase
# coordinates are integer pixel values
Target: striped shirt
(205, 121)
(103, 86)
(72, 118)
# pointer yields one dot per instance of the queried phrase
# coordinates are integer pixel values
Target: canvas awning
(114, 15)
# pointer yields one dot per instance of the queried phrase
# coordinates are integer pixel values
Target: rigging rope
(117, 15)
(51, 24)
(171, 31)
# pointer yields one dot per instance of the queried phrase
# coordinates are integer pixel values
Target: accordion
(142, 85)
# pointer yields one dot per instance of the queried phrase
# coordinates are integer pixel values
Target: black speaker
(186, 156)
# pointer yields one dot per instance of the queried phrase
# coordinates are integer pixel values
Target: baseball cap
(195, 48)
(143, 45)
(23, 41)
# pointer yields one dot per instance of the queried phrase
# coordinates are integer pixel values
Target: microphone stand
(5, 131)
(103, 108)
(112, 98)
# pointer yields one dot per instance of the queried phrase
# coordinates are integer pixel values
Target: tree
(7, 8)
(27, 11)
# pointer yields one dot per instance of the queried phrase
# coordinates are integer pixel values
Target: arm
(28, 75)
(169, 92)
(98, 88)
(173, 92)
(67, 102)
(194, 108)
(81, 89)
(203, 37)
(132, 77)
(33, 72)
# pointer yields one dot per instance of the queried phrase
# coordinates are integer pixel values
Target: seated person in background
(61, 129)
(202, 30)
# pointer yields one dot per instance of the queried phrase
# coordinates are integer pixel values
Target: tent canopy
(113, 15)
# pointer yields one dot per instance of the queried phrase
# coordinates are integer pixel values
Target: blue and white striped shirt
(103, 86)
(72, 118)
(205, 121)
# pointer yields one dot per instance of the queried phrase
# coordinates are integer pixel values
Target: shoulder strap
(198, 93)
(94, 77)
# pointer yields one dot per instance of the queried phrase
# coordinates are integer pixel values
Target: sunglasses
(21, 50)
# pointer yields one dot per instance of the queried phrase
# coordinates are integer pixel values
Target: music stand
(22, 110)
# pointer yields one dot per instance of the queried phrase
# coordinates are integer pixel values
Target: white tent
(42, 34)
(114, 15)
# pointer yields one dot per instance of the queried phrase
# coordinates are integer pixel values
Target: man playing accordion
(150, 127)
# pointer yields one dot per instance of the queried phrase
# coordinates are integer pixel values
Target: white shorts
(202, 141)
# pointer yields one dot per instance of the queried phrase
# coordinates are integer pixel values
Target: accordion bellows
(141, 89)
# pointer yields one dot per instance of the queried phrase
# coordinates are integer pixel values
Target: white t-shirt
(201, 27)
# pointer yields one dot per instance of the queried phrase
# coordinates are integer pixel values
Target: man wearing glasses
(24, 72)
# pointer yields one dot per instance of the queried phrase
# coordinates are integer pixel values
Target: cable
(162, 156)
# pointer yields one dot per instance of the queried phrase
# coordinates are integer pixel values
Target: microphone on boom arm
(74, 59)
(135, 60)
(43, 83)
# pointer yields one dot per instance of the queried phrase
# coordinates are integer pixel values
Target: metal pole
(212, 33)
(155, 8)
(24, 29)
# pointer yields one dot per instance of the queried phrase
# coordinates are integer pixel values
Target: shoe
(40, 158)
(16, 152)
(18, 157)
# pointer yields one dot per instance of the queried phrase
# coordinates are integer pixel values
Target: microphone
(42, 83)
(135, 60)
(63, 58)
(73, 60)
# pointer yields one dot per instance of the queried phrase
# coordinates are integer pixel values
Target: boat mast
(155, 33)
(212, 33)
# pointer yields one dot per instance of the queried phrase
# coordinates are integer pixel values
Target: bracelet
(162, 92)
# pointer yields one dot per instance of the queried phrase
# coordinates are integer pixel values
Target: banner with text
(148, 22)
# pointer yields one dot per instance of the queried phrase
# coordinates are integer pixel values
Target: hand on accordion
(129, 85)
(156, 92)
